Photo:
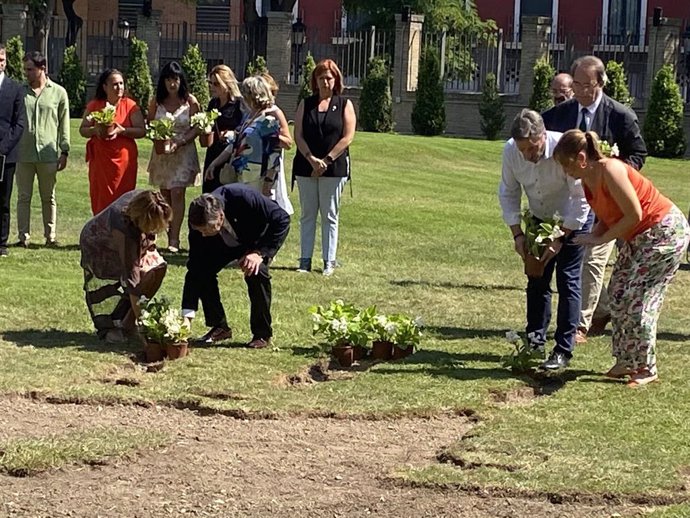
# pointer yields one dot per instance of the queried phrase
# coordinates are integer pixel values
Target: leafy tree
(617, 85)
(256, 66)
(491, 110)
(375, 101)
(663, 125)
(14, 50)
(541, 89)
(194, 67)
(429, 111)
(72, 78)
(305, 81)
(139, 83)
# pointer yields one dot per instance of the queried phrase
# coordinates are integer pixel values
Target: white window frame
(517, 8)
(605, 21)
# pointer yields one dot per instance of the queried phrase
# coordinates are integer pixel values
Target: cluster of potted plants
(351, 334)
(163, 329)
(203, 122)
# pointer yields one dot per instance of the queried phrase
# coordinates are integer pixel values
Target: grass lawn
(423, 235)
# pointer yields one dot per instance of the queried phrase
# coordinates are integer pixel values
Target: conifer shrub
(541, 89)
(617, 86)
(139, 85)
(429, 111)
(305, 79)
(491, 110)
(663, 125)
(72, 78)
(14, 50)
(256, 67)
(194, 66)
(376, 101)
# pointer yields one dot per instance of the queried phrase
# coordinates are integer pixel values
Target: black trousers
(5, 195)
(207, 257)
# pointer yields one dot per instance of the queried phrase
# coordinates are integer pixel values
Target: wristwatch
(328, 159)
(65, 153)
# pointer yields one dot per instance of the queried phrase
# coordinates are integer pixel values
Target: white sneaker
(328, 268)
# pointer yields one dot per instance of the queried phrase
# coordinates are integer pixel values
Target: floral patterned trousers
(644, 269)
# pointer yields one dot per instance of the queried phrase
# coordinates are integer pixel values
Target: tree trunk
(41, 14)
(74, 23)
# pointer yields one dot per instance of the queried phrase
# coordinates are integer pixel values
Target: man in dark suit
(592, 110)
(234, 222)
(12, 120)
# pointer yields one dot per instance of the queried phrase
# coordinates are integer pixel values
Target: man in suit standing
(234, 222)
(12, 119)
(592, 110)
(561, 88)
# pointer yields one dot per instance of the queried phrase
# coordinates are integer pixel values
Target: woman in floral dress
(177, 169)
(655, 234)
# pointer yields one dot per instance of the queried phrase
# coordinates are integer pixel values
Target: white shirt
(2, 78)
(549, 190)
(591, 110)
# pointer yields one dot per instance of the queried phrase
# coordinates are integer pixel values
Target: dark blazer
(613, 122)
(260, 224)
(12, 118)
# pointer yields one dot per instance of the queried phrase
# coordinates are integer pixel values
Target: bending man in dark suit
(592, 110)
(12, 121)
(234, 222)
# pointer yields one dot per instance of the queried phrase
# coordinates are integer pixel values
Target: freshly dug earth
(220, 466)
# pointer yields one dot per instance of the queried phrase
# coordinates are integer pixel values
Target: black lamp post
(299, 37)
(123, 29)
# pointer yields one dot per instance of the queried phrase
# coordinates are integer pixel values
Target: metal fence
(351, 50)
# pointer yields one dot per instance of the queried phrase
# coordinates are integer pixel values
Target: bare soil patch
(221, 466)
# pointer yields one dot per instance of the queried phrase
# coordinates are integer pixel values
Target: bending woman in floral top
(254, 154)
(655, 234)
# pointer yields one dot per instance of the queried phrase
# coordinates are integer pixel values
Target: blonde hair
(226, 78)
(573, 142)
(149, 212)
(257, 92)
(271, 83)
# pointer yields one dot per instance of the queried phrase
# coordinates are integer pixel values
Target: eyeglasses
(585, 86)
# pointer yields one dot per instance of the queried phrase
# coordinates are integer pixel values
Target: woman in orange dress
(111, 151)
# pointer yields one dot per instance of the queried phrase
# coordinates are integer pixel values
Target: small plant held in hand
(106, 116)
(608, 150)
(541, 233)
(203, 121)
(160, 323)
(524, 357)
(162, 129)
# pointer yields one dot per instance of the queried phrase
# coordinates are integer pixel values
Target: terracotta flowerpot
(381, 350)
(161, 146)
(206, 139)
(178, 350)
(533, 266)
(359, 352)
(344, 354)
(154, 352)
(401, 352)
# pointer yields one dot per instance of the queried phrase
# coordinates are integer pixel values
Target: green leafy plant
(609, 150)
(106, 116)
(376, 101)
(429, 111)
(161, 323)
(523, 357)
(256, 66)
(342, 324)
(203, 121)
(407, 332)
(491, 110)
(194, 66)
(305, 90)
(72, 78)
(617, 85)
(541, 89)
(540, 233)
(14, 50)
(663, 125)
(139, 85)
(161, 129)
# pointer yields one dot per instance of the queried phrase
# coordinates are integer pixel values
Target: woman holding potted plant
(120, 261)
(111, 123)
(177, 168)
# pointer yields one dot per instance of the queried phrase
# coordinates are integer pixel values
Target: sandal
(642, 377)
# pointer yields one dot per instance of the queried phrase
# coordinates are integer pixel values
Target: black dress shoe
(557, 360)
(215, 335)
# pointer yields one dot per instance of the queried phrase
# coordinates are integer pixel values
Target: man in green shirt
(43, 149)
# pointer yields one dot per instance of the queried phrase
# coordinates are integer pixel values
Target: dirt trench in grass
(221, 466)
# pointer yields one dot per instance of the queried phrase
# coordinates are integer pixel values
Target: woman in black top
(225, 97)
(324, 128)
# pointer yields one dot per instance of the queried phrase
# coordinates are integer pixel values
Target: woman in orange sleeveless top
(111, 151)
(655, 234)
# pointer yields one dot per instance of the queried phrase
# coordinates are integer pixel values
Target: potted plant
(406, 336)
(203, 122)
(163, 329)
(383, 331)
(161, 131)
(344, 329)
(539, 234)
(104, 118)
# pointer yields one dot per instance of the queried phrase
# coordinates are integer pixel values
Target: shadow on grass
(405, 283)
(56, 338)
(457, 333)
